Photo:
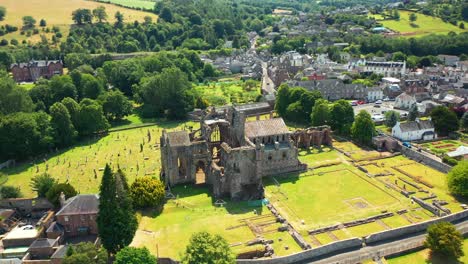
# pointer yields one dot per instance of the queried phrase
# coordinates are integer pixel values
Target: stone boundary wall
(419, 157)
(406, 230)
(308, 254)
(26, 205)
(7, 164)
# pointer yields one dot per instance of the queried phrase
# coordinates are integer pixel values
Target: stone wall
(27, 205)
(421, 158)
(350, 244)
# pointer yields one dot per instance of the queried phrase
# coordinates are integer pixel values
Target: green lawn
(442, 146)
(424, 25)
(79, 162)
(422, 257)
(144, 4)
(221, 93)
(172, 229)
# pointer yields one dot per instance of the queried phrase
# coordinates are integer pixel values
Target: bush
(131, 255)
(457, 179)
(53, 195)
(147, 192)
(42, 183)
(7, 192)
(450, 161)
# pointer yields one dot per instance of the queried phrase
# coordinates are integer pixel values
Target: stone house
(414, 130)
(78, 215)
(374, 94)
(334, 89)
(33, 70)
(404, 101)
(229, 154)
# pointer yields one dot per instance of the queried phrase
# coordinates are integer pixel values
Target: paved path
(382, 249)
(268, 87)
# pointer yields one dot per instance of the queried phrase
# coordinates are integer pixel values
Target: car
(28, 227)
(386, 99)
(361, 102)
(407, 144)
(378, 102)
(354, 103)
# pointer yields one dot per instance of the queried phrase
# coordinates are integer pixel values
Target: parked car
(378, 102)
(360, 102)
(354, 103)
(407, 144)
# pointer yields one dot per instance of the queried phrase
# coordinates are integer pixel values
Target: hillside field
(144, 4)
(58, 13)
(424, 25)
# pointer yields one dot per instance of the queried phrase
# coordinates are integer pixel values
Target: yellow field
(58, 13)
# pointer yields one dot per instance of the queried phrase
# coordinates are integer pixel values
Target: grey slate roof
(263, 128)
(81, 204)
(42, 243)
(416, 126)
(38, 63)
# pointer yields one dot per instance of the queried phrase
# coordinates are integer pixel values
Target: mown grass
(424, 25)
(58, 13)
(144, 4)
(229, 92)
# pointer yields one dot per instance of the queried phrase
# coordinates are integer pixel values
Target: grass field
(58, 13)
(78, 163)
(144, 4)
(193, 212)
(422, 257)
(228, 92)
(424, 25)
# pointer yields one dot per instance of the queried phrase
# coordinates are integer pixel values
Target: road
(383, 249)
(268, 87)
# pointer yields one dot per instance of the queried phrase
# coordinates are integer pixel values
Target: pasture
(424, 25)
(193, 211)
(143, 4)
(58, 13)
(82, 164)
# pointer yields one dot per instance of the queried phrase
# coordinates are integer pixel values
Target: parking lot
(373, 109)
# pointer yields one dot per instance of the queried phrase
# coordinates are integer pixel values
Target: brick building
(33, 70)
(78, 215)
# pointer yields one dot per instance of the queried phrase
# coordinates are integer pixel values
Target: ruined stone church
(229, 153)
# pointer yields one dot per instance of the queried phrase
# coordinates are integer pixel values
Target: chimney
(62, 199)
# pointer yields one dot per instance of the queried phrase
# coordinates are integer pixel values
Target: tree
(119, 18)
(445, 121)
(464, 122)
(42, 183)
(363, 128)
(90, 86)
(444, 240)
(413, 17)
(42, 23)
(391, 118)
(73, 109)
(131, 255)
(14, 98)
(115, 105)
(91, 118)
(413, 113)
(100, 13)
(147, 192)
(7, 192)
(29, 22)
(5, 61)
(166, 14)
(457, 179)
(82, 15)
(282, 99)
(2, 13)
(116, 219)
(396, 14)
(399, 56)
(53, 194)
(341, 117)
(209, 249)
(64, 131)
(320, 113)
(84, 252)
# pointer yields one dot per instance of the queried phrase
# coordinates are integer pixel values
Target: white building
(374, 94)
(414, 130)
(387, 68)
(404, 101)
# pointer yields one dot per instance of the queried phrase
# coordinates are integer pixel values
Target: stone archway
(200, 172)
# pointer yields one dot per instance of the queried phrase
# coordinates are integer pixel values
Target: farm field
(79, 164)
(422, 257)
(193, 211)
(227, 92)
(442, 146)
(58, 13)
(424, 25)
(143, 4)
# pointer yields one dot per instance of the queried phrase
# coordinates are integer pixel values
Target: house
(404, 101)
(334, 89)
(374, 94)
(33, 70)
(386, 68)
(414, 130)
(78, 215)
(449, 60)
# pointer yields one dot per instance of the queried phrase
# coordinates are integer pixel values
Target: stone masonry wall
(419, 157)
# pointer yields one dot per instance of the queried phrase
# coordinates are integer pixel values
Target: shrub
(7, 192)
(457, 179)
(147, 192)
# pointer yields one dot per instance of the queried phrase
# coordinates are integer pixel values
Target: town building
(414, 130)
(33, 70)
(229, 154)
(78, 215)
(387, 69)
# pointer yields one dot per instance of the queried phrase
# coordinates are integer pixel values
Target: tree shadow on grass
(439, 259)
(413, 25)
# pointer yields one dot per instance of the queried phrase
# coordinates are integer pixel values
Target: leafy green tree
(147, 192)
(320, 113)
(445, 121)
(5, 61)
(100, 13)
(341, 117)
(444, 240)
(53, 194)
(7, 192)
(115, 105)
(131, 255)
(166, 14)
(123, 74)
(413, 113)
(91, 118)
(413, 17)
(73, 109)
(85, 252)
(61, 87)
(363, 128)
(464, 122)
(90, 86)
(391, 118)
(282, 99)
(82, 16)
(116, 219)
(119, 18)
(457, 179)
(64, 131)
(295, 113)
(2, 13)
(29, 22)
(42, 183)
(42, 23)
(209, 249)
(13, 97)
(399, 56)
